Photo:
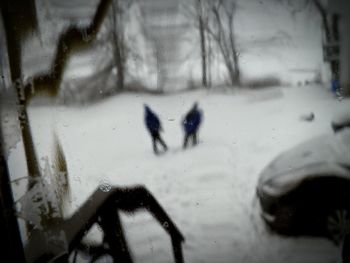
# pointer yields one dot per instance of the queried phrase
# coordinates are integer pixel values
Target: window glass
(177, 130)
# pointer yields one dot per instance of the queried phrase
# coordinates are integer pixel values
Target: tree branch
(222, 38)
(70, 40)
(323, 14)
(230, 14)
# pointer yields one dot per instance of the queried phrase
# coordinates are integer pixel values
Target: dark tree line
(215, 21)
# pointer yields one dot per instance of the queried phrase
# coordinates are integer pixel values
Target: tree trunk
(323, 13)
(117, 46)
(234, 54)
(14, 34)
(232, 73)
(203, 43)
(230, 69)
(230, 13)
(226, 45)
(209, 64)
(331, 35)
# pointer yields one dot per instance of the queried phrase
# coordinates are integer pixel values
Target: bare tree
(221, 27)
(197, 12)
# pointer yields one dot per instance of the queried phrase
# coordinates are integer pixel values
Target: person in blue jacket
(154, 127)
(191, 124)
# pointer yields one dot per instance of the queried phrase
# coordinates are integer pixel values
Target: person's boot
(194, 137)
(185, 142)
(155, 149)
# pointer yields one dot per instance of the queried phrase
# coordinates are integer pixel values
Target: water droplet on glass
(18, 207)
(77, 179)
(85, 35)
(65, 48)
(339, 95)
(105, 186)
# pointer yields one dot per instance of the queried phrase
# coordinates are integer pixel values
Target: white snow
(208, 190)
(321, 156)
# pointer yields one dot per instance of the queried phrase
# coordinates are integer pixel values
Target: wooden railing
(57, 243)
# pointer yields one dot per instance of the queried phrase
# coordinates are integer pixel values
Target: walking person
(191, 124)
(154, 127)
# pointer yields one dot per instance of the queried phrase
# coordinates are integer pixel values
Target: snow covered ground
(208, 190)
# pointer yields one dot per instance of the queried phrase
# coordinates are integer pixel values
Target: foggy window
(175, 130)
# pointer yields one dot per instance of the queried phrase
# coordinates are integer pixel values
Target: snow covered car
(306, 190)
(341, 121)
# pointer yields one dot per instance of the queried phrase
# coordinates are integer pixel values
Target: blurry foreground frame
(102, 208)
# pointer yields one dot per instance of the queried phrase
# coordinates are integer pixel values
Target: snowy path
(209, 190)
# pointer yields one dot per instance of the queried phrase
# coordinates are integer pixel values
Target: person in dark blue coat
(191, 124)
(154, 127)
